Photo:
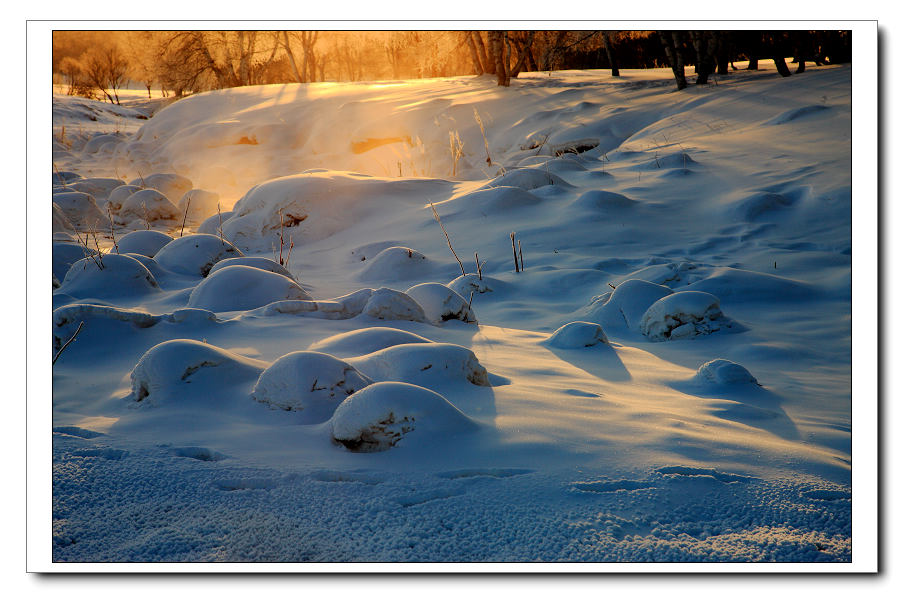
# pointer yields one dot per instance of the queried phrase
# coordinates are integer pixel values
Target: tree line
(99, 64)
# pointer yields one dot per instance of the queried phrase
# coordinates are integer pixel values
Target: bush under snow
(683, 315)
(423, 364)
(440, 303)
(308, 381)
(144, 242)
(240, 288)
(111, 277)
(577, 335)
(195, 254)
(366, 340)
(383, 415)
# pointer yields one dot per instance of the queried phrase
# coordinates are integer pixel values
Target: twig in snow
(66, 344)
(184, 217)
(514, 253)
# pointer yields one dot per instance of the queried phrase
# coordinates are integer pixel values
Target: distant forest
(99, 64)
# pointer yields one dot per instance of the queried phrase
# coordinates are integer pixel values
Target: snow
(667, 379)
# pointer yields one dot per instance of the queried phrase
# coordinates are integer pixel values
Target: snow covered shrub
(195, 254)
(173, 186)
(65, 254)
(170, 365)
(470, 282)
(577, 335)
(383, 415)
(683, 315)
(144, 242)
(81, 209)
(396, 263)
(440, 303)
(625, 305)
(114, 276)
(148, 205)
(254, 262)
(212, 224)
(387, 303)
(366, 340)
(239, 288)
(119, 195)
(102, 140)
(423, 364)
(602, 201)
(308, 381)
(723, 372)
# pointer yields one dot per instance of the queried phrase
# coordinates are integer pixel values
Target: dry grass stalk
(66, 344)
(448, 240)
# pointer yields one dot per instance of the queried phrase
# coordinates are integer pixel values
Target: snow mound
(212, 224)
(144, 242)
(195, 254)
(65, 255)
(366, 340)
(200, 203)
(602, 201)
(81, 209)
(383, 415)
(723, 372)
(387, 303)
(119, 195)
(527, 179)
(173, 186)
(148, 205)
(308, 381)
(99, 187)
(683, 315)
(61, 223)
(798, 113)
(102, 143)
(626, 304)
(423, 363)
(65, 177)
(240, 288)
(111, 277)
(749, 285)
(254, 262)
(577, 335)
(440, 303)
(313, 205)
(504, 200)
(756, 205)
(470, 282)
(166, 367)
(396, 263)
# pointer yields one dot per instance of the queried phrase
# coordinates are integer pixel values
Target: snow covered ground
(668, 379)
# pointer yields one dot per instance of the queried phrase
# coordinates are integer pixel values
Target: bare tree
(672, 43)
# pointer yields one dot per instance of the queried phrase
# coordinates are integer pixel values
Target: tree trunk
(722, 51)
(497, 47)
(291, 56)
(485, 64)
(703, 46)
(472, 48)
(671, 42)
(607, 44)
(781, 66)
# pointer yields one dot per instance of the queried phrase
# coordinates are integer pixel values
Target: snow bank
(166, 368)
(310, 382)
(195, 254)
(366, 340)
(143, 242)
(112, 276)
(440, 303)
(683, 315)
(119, 195)
(385, 415)
(577, 335)
(317, 204)
(239, 288)
(423, 364)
